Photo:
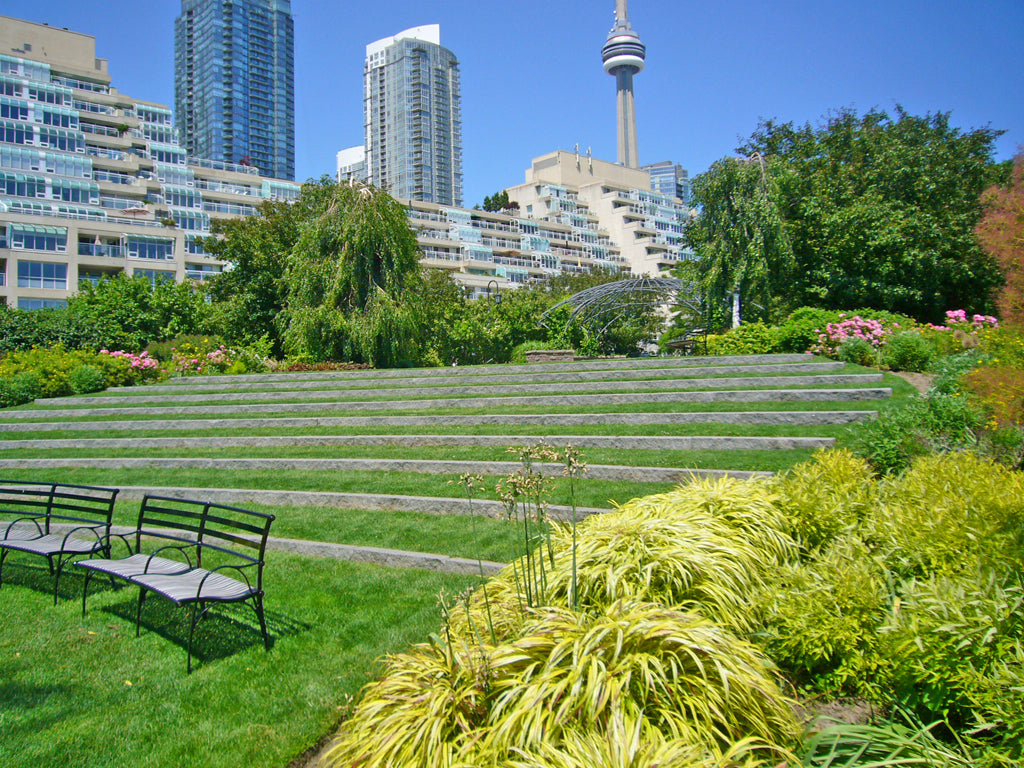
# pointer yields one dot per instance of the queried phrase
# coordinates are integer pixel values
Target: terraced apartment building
(94, 182)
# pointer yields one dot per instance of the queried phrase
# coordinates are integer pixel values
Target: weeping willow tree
(740, 238)
(347, 279)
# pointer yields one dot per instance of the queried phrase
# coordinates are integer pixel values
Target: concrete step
(703, 396)
(412, 393)
(632, 363)
(551, 419)
(594, 471)
(618, 442)
(285, 382)
(430, 505)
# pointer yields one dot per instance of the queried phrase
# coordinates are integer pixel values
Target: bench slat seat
(54, 543)
(196, 585)
(57, 521)
(135, 565)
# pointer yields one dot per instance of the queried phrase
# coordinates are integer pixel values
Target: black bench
(689, 341)
(194, 553)
(54, 520)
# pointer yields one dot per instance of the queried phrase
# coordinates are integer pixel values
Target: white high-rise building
(412, 117)
(94, 183)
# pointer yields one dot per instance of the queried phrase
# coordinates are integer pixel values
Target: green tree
(346, 278)
(252, 293)
(880, 211)
(135, 311)
(496, 202)
(741, 239)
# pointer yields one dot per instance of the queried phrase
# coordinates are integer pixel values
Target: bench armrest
(34, 519)
(95, 530)
(244, 577)
(183, 548)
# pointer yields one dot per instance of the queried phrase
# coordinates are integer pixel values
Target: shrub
(950, 370)
(85, 379)
(949, 634)
(749, 339)
(933, 422)
(857, 351)
(126, 368)
(947, 514)
(568, 674)
(820, 618)
(858, 328)
(19, 388)
(799, 332)
(908, 351)
(825, 496)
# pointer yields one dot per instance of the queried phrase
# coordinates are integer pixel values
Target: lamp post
(497, 291)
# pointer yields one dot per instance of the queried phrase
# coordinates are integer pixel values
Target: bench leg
(85, 589)
(3, 556)
(56, 579)
(138, 611)
(199, 610)
(263, 621)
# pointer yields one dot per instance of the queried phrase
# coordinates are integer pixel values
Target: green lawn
(87, 692)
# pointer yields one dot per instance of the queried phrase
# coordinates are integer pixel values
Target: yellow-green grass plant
(569, 673)
(706, 546)
(949, 512)
(825, 496)
(635, 744)
(888, 745)
(820, 617)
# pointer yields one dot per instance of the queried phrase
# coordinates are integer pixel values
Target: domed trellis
(599, 307)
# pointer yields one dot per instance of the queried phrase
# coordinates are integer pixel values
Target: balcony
(94, 249)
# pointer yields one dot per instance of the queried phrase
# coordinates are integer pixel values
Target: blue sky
(532, 80)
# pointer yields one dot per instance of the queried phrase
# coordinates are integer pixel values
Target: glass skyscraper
(234, 82)
(413, 117)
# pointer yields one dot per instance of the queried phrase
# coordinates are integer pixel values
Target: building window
(139, 247)
(33, 304)
(154, 275)
(42, 274)
(29, 237)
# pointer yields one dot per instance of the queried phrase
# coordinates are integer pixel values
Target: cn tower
(623, 55)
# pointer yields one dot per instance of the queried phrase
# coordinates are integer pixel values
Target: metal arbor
(599, 307)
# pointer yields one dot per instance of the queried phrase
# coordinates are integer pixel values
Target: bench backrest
(232, 531)
(63, 502)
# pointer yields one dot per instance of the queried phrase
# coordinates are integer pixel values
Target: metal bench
(192, 553)
(54, 520)
(690, 341)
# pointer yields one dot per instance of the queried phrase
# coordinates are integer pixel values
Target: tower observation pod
(623, 55)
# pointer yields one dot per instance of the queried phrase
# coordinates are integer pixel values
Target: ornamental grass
(573, 679)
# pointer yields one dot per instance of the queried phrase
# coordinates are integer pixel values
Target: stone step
(552, 419)
(618, 442)
(411, 393)
(505, 369)
(704, 396)
(616, 473)
(389, 558)
(280, 382)
(430, 505)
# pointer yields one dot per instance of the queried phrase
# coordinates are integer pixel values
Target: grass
(637, 457)
(86, 692)
(589, 493)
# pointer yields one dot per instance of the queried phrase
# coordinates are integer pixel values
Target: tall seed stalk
(468, 482)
